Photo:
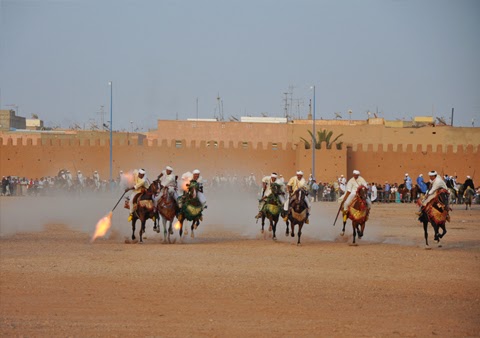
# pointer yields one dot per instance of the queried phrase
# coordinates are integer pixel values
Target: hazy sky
(402, 58)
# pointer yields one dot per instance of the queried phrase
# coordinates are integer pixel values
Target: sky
(231, 58)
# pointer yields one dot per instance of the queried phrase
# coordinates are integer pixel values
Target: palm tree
(323, 136)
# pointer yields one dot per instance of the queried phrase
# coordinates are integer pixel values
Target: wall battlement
(215, 145)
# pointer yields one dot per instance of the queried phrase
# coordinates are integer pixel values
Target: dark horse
(144, 208)
(358, 212)
(190, 207)
(166, 209)
(405, 195)
(435, 213)
(272, 208)
(297, 213)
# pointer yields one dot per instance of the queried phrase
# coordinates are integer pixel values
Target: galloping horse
(272, 208)
(190, 208)
(144, 208)
(358, 212)
(436, 213)
(468, 196)
(166, 208)
(297, 213)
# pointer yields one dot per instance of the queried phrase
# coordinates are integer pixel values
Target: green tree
(323, 136)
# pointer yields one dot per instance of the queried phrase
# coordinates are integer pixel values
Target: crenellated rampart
(36, 157)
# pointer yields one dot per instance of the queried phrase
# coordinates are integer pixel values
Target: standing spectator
(374, 192)
(387, 192)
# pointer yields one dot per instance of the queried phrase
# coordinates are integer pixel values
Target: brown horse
(297, 213)
(436, 213)
(358, 212)
(468, 197)
(143, 208)
(166, 209)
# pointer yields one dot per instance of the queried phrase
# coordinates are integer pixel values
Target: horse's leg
(287, 232)
(180, 231)
(142, 228)
(354, 226)
(361, 230)
(164, 222)
(435, 229)
(193, 227)
(263, 223)
(134, 220)
(273, 225)
(444, 230)
(300, 226)
(293, 229)
(425, 230)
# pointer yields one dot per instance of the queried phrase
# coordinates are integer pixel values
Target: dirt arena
(229, 281)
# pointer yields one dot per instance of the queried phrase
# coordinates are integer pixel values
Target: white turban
(273, 175)
(196, 171)
(468, 177)
(356, 172)
(169, 168)
(141, 171)
(406, 174)
(420, 175)
(432, 173)
(299, 172)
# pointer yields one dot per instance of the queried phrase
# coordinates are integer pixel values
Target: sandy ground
(229, 281)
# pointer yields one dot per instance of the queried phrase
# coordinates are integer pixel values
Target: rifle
(341, 207)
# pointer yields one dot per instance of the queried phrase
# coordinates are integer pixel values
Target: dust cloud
(231, 212)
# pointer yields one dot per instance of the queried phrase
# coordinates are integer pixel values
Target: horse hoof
(299, 244)
(135, 241)
(274, 238)
(439, 245)
(262, 231)
(286, 234)
(342, 233)
(353, 244)
(427, 247)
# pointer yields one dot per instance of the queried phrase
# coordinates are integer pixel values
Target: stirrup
(307, 221)
(130, 217)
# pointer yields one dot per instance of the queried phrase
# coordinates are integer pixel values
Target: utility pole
(286, 105)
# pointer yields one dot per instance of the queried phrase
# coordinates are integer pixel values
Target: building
(9, 120)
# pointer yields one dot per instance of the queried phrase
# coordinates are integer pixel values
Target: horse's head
(276, 188)
(362, 192)
(443, 196)
(154, 187)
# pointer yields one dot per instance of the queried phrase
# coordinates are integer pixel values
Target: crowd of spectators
(405, 192)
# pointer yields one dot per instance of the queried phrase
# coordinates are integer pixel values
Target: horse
(297, 213)
(166, 210)
(358, 212)
(190, 208)
(436, 213)
(415, 192)
(404, 192)
(468, 197)
(272, 208)
(144, 208)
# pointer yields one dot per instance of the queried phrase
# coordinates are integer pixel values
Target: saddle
(358, 210)
(437, 211)
(144, 203)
